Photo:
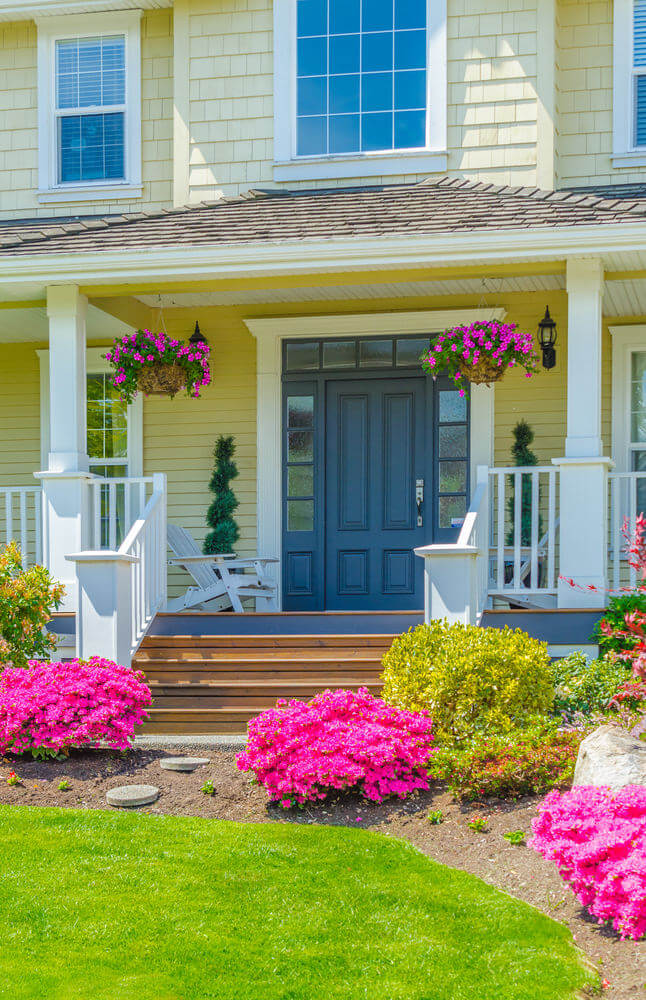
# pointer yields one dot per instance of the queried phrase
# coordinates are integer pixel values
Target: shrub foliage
(587, 686)
(469, 679)
(339, 741)
(48, 708)
(530, 761)
(598, 840)
(27, 599)
(610, 631)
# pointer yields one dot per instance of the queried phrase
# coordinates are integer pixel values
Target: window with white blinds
(89, 69)
(639, 72)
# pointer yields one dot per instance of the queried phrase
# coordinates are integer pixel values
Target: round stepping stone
(131, 796)
(183, 763)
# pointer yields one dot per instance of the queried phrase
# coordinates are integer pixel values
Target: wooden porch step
(217, 683)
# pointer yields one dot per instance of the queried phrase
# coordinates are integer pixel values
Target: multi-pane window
(107, 447)
(361, 76)
(90, 108)
(639, 73)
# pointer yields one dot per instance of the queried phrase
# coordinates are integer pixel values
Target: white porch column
(65, 507)
(450, 583)
(584, 469)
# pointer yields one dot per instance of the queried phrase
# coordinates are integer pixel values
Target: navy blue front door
(376, 455)
(363, 431)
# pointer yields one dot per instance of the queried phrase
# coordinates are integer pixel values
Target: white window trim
(290, 167)
(270, 334)
(625, 153)
(95, 365)
(625, 341)
(50, 29)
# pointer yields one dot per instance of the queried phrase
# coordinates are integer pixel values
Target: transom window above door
(361, 75)
(89, 105)
(359, 81)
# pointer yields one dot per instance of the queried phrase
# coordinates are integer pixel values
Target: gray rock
(183, 763)
(611, 756)
(131, 796)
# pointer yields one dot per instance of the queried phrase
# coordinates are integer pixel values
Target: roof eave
(275, 258)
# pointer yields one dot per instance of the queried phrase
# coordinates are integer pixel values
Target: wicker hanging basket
(483, 372)
(161, 379)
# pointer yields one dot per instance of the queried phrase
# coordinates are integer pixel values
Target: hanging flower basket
(158, 365)
(480, 353)
(161, 379)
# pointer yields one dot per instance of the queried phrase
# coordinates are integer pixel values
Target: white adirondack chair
(218, 589)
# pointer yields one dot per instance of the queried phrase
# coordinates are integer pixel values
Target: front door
(376, 467)
(375, 464)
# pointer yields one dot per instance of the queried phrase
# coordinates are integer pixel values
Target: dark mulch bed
(516, 870)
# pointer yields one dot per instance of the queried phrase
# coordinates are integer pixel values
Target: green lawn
(116, 906)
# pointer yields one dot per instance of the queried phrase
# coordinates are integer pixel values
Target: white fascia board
(31, 9)
(193, 263)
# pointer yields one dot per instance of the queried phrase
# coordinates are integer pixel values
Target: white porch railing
(21, 520)
(524, 530)
(122, 589)
(627, 500)
(115, 504)
(503, 549)
(146, 543)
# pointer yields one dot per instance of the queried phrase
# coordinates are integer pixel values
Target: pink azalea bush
(598, 840)
(502, 343)
(339, 741)
(143, 349)
(47, 708)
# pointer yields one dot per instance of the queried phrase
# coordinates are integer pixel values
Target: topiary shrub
(528, 761)
(339, 741)
(586, 686)
(597, 838)
(47, 708)
(224, 529)
(469, 679)
(27, 599)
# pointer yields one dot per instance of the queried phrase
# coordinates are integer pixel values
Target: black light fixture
(197, 337)
(547, 339)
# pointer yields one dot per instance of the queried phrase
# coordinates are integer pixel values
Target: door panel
(376, 450)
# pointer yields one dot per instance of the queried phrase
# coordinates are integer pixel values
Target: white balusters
(116, 504)
(523, 555)
(627, 500)
(21, 520)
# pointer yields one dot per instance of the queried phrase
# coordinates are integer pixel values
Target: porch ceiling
(623, 297)
(23, 325)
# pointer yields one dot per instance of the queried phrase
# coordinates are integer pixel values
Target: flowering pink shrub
(49, 707)
(598, 840)
(340, 740)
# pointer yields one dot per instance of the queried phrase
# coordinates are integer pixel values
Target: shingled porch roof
(431, 207)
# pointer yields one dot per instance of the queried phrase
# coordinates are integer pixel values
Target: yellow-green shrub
(470, 679)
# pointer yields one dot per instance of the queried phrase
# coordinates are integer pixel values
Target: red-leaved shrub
(339, 741)
(48, 707)
(598, 840)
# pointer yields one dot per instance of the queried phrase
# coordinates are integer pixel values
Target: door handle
(419, 500)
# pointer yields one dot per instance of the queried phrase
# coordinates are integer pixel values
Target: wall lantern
(547, 339)
(197, 337)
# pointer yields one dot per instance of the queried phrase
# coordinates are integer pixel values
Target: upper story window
(89, 106)
(361, 75)
(629, 98)
(360, 87)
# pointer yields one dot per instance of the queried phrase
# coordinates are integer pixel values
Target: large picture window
(360, 87)
(361, 75)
